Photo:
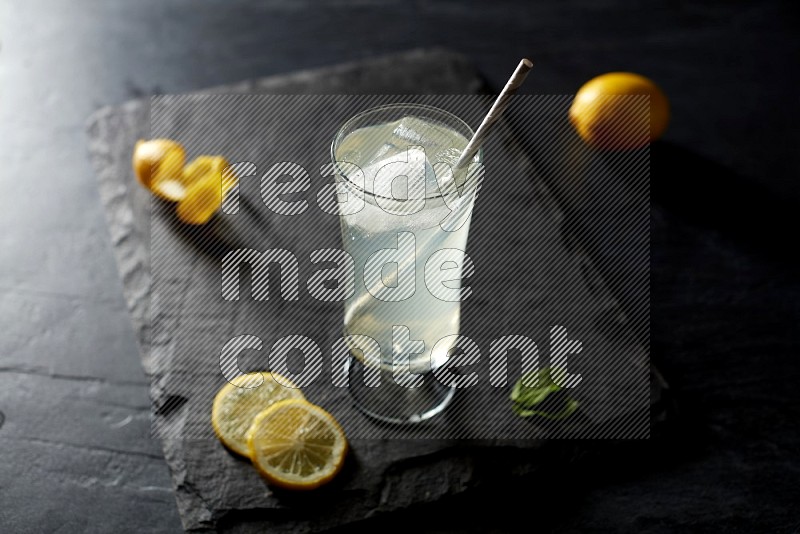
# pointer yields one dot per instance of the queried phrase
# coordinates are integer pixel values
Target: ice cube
(380, 175)
(416, 131)
(410, 131)
(438, 139)
(386, 151)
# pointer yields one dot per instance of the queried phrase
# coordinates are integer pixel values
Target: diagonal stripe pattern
(559, 237)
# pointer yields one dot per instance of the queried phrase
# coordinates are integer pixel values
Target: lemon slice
(237, 404)
(297, 445)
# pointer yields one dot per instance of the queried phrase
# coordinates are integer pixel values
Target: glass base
(392, 403)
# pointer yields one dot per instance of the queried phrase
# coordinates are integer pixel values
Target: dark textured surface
(216, 490)
(76, 452)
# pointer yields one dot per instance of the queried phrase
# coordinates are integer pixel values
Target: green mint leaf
(569, 408)
(534, 388)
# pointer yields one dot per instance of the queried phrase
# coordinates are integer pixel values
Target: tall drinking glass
(405, 217)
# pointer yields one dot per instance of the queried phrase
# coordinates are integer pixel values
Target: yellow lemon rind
(158, 160)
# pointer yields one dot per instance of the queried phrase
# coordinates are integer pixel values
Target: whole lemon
(605, 120)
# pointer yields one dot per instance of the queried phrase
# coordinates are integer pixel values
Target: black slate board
(217, 491)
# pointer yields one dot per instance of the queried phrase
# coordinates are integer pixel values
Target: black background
(76, 452)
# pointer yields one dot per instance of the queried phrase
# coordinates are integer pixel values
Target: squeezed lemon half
(199, 188)
(207, 184)
(158, 164)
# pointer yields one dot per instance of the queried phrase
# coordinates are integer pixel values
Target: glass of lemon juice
(405, 218)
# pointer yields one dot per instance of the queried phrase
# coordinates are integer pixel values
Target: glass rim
(389, 107)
